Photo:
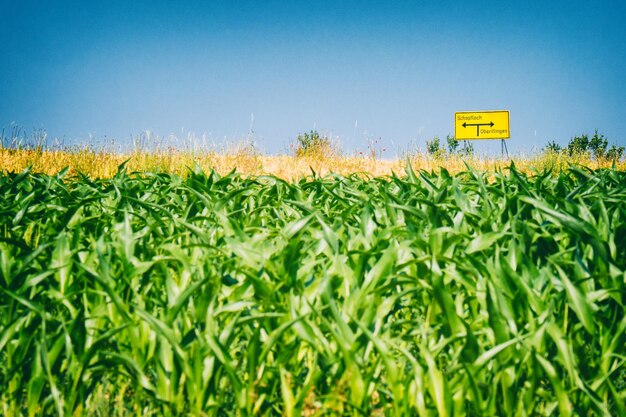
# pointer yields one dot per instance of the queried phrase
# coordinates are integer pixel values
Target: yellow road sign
(471, 125)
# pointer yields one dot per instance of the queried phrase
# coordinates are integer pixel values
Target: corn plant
(427, 294)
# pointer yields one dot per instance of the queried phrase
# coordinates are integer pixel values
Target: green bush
(553, 147)
(615, 153)
(313, 144)
(578, 145)
(436, 148)
(453, 144)
(595, 146)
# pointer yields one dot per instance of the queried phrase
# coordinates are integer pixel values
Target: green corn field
(421, 294)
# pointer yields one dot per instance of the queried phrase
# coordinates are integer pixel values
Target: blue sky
(93, 71)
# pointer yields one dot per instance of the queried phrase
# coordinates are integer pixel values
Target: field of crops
(428, 294)
(248, 161)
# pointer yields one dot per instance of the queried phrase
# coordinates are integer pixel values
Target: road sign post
(478, 125)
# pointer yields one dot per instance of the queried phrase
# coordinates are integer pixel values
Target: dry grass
(103, 164)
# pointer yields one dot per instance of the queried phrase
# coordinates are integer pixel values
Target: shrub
(578, 145)
(434, 147)
(596, 146)
(615, 153)
(453, 144)
(312, 144)
(553, 147)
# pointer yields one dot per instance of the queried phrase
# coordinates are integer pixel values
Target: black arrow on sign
(478, 125)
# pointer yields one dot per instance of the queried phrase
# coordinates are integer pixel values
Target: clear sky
(357, 70)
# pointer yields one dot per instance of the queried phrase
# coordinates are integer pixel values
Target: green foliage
(434, 147)
(596, 146)
(429, 294)
(578, 145)
(453, 144)
(615, 153)
(553, 147)
(312, 144)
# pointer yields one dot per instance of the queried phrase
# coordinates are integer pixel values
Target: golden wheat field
(104, 164)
